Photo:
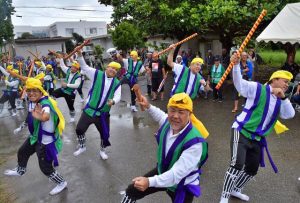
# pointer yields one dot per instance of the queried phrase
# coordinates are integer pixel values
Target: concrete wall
(42, 48)
(202, 44)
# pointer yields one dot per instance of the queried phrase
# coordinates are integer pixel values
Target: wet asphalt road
(133, 153)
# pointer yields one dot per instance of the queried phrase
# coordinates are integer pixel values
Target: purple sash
(182, 189)
(104, 132)
(51, 153)
(264, 145)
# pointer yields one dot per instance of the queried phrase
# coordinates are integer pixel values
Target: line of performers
(181, 136)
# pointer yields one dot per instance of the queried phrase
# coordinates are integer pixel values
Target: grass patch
(276, 58)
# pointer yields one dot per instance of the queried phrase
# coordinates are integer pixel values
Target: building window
(91, 31)
(69, 31)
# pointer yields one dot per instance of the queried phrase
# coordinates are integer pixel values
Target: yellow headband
(114, 65)
(15, 71)
(183, 101)
(9, 67)
(38, 63)
(49, 67)
(133, 53)
(34, 83)
(197, 60)
(281, 74)
(75, 64)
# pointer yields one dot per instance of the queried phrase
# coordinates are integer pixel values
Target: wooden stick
(55, 54)
(31, 68)
(245, 42)
(29, 74)
(178, 43)
(36, 57)
(137, 90)
(8, 56)
(78, 48)
(20, 68)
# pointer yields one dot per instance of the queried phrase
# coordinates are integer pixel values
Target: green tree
(180, 18)
(26, 35)
(98, 51)
(78, 38)
(127, 36)
(69, 46)
(6, 27)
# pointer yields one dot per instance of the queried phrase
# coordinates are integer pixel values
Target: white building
(86, 29)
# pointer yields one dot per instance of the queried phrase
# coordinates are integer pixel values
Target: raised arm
(89, 71)
(63, 66)
(171, 56)
(245, 88)
(4, 71)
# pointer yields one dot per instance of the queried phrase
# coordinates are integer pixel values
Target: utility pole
(11, 41)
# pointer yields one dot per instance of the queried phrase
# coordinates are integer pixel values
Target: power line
(62, 8)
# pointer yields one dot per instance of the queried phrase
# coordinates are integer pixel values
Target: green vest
(217, 73)
(251, 126)
(133, 71)
(96, 93)
(189, 134)
(37, 124)
(68, 90)
(183, 82)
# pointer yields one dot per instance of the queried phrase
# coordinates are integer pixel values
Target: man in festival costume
(11, 92)
(187, 80)
(49, 79)
(45, 125)
(69, 86)
(105, 91)
(39, 67)
(182, 151)
(135, 67)
(265, 103)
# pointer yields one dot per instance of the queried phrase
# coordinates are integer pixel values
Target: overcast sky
(45, 16)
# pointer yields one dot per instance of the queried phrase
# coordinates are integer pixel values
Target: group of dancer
(181, 137)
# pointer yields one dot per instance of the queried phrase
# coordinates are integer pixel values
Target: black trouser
(136, 194)
(149, 87)
(70, 99)
(85, 121)
(217, 94)
(26, 150)
(10, 97)
(127, 81)
(155, 84)
(244, 153)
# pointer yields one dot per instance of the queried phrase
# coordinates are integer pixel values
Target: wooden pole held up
(245, 42)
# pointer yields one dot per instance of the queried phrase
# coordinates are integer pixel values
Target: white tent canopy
(285, 27)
